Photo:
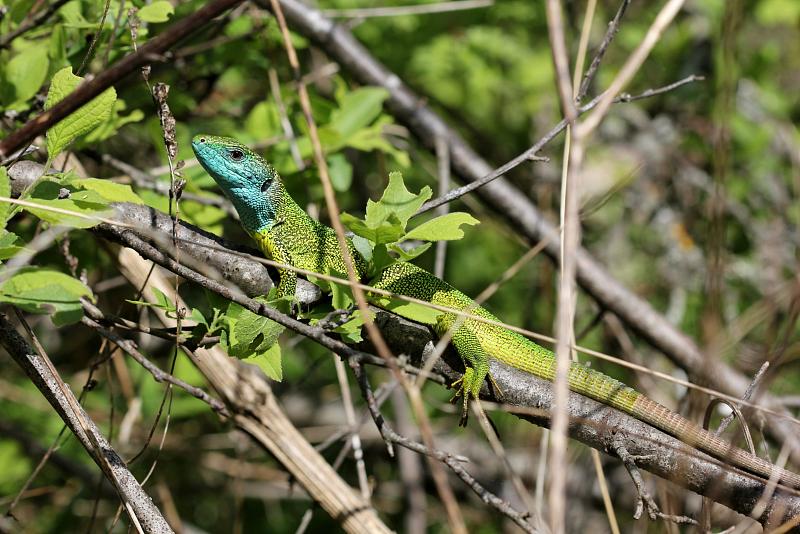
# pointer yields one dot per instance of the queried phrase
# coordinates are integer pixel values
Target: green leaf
(5, 191)
(410, 254)
(80, 210)
(351, 330)
(387, 231)
(82, 121)
(269, 362)
(249, 333)
(162, 302)
(57, 47)
(409, 310)
(341, 172)
(386, 219)
(73, 18)
(263, 120)
(444, 228)
(380, 259)
(357, 109)
(341, 294)
(46, 292)
(25, 73)
(158, 11)
(778, 12)
(363, 246)
(10, 244)
(111, 191)
(397, 200)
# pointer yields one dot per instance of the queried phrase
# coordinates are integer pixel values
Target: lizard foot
(462, 392)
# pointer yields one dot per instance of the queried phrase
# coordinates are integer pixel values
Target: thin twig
(632, 65)
(398, 11)
(130, 63)
(530, 153)
(611, 32)
(570, 240)
(129, 348)
(454, 463)
(31, 23)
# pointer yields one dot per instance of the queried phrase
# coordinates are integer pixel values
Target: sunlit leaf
(444, 228)
(80, 122)
(158, 11)
(46, 292)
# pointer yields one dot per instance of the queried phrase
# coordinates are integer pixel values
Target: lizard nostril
(202, 139)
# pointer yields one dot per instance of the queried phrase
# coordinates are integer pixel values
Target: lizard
(285, 233)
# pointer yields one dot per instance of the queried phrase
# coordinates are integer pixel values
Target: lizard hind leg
(476, 363)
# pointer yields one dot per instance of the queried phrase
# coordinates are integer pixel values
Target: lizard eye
(236, 155)
(265, 185)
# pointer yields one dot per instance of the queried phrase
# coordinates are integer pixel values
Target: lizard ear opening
(265, 185)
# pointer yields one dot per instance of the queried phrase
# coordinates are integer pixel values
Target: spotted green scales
(288, 235)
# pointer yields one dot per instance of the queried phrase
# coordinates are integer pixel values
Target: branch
(513, 205)
(255, 410)
(708, 475)
(137, 502)
(417, 342)
(31, 23)
(89, 89)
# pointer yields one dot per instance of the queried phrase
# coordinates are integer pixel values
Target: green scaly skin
(285, 233)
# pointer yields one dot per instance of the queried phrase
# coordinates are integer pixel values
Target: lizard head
(251, 184)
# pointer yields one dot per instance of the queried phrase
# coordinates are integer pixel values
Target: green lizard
(285, 233)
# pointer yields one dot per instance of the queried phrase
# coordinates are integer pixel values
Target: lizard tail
(652, 412)
(610, 391)
(476, 341)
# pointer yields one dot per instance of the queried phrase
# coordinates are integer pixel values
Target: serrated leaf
(80, 122)
(387, 231)
(397, 200)
(249, 333)
(386, 219)
(111, 191)
(444, 228)
(158, 11)
(269, 361)
(46, 292)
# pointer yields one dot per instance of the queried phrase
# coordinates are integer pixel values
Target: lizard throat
(255, 209)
